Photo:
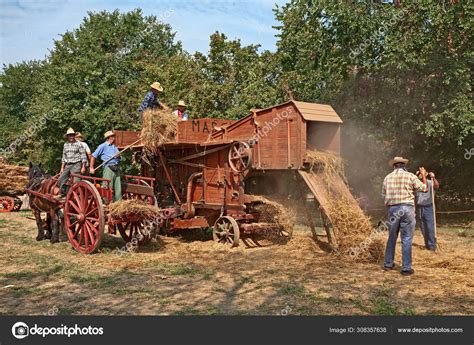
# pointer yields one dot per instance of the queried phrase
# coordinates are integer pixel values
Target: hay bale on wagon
(123, 209)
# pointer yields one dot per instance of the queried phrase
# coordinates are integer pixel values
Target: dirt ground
(175, 276)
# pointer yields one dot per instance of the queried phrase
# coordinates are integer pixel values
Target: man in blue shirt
(425, 211)
(151, 100)
(111, 171)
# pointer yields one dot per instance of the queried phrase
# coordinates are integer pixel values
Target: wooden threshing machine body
(203, 176)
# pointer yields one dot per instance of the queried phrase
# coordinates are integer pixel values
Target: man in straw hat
(109, 153)
(74, 160)
(181, 112)
(80, 139)
(398, 190)
(151, 100)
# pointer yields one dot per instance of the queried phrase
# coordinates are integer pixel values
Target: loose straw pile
(123, 209)
(353, 229)
(273, 212)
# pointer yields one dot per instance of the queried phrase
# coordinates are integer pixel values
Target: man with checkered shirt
(399, 189)
(73, 161)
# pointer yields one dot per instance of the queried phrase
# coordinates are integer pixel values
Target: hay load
(123, 209)
(13, 179)
(353, 229)
(159, 127)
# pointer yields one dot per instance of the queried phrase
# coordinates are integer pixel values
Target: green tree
(400, 76)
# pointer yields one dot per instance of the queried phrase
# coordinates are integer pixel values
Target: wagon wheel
(130, 230)
(84, 217)
(240, 156)
(145, 198)
(6, 204)
(226, 230)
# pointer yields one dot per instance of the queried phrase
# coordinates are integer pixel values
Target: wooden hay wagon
(203, 177)
(85, 212)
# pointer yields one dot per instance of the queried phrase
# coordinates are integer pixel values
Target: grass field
(172, 276)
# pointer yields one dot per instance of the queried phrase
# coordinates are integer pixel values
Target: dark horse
(44, 184)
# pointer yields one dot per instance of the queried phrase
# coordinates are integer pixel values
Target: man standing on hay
(151, 100)
(109, 153)
(425, 211)
(398, 191)
(73, 161)
(181, 112)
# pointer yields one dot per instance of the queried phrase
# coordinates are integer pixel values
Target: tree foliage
(399, 76)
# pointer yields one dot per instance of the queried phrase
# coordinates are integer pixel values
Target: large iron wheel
(7, 204)
(84, 217)
(226, 231)
(137, 230)
(240, 156)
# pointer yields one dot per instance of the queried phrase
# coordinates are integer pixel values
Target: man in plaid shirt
(73, 161)
(399, 189)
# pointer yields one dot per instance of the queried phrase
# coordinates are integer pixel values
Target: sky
(28, 27)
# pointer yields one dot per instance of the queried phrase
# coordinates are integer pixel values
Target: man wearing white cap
(109, 153)
(151, 100)
(181, 112)
(73, 161)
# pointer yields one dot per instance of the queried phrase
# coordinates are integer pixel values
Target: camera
(21, 331)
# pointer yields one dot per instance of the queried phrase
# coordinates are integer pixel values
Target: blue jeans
(426, 219)
(401, 219)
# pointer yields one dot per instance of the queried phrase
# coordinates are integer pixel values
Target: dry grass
(171, 276)
(159, 127)
(13, 179)
(272, 211)
(127, 208)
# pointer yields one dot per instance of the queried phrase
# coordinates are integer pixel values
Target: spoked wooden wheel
(84, 217)
(240, 156)
(137, 230)
(226, 231)
(6, 204)
(145, 198)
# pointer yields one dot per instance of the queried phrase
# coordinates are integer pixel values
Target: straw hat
(157, 86)
(70, 131)
(108, 134)
(182, 104)
(79, 135)
(396, 160)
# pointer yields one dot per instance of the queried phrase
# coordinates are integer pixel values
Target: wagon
(84, 214)
(9, 203)
(204, 177)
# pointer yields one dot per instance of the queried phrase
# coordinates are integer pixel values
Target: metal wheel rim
(84, 217)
